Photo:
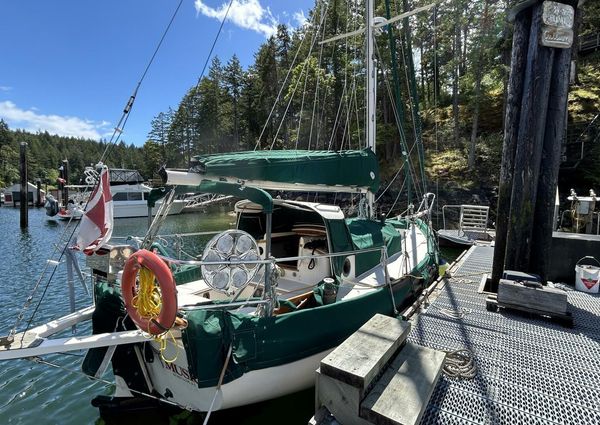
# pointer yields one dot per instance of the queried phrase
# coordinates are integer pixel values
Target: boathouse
(12, 195)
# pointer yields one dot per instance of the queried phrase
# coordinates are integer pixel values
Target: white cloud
(247, 14)
(5, 88)
(32, 121)
(300, 18)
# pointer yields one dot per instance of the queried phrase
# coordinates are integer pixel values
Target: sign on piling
(557, 25)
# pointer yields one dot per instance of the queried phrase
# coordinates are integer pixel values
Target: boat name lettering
(181, 372)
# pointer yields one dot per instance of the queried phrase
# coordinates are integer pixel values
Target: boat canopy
(253, 194)
(349, 170)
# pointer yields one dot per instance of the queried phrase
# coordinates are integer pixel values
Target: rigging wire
(411, 169)
(118, 131)
(312, 118)
(305, 67)
(42, 361)
(435, 111)
(301, 110)
(421, 190)
(414, 97)
(214, 43)
(257, 145)
(347, 97)
(344, 95)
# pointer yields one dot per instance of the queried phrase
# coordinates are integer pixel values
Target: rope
(460, 364)
(460, 278)
(148, 303)
(457, 314)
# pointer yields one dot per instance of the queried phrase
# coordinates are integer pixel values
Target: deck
(530, 370)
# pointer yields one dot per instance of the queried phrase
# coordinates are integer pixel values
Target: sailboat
(249, 317)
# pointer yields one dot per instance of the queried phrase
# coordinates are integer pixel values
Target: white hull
(252, 387)
(265, 384)
(129, 209)
(126, 209)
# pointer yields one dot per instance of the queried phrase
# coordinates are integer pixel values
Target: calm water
(31, 393)
(37, 394)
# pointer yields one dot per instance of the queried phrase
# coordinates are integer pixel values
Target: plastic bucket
(587, 276)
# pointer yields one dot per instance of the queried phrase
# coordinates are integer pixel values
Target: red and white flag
(96, 224)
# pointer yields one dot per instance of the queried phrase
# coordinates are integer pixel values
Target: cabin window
(135, 196)
(120, 196)
(8, 197)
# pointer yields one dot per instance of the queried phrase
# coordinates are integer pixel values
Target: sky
(69, 66)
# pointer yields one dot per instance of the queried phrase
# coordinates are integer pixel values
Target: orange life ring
(161, 270)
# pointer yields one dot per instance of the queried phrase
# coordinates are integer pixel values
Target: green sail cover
(262, 342)
(351, 168)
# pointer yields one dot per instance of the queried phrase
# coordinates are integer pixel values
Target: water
(32, 393)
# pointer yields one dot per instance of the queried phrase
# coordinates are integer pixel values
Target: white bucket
(587, 277)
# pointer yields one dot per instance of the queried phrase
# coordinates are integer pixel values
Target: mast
(371, 91)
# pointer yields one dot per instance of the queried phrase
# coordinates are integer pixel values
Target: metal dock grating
(529, 370)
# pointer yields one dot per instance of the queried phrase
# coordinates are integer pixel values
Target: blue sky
(69, 66)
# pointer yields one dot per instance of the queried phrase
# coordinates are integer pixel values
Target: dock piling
(24, 186)
(534, 128)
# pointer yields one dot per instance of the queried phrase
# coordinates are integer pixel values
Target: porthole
(347, 268)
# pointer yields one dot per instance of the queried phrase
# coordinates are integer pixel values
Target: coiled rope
(460, 364)
(148, 303)
(457, 314)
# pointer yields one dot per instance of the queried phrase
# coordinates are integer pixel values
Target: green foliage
(46, 152)
(449, 165)
(462, 51)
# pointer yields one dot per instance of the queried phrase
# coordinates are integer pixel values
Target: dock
(529, 369)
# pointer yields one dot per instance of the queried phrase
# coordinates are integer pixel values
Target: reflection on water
(31, 393)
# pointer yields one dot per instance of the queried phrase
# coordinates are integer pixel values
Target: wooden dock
(530, 370)
(373, 372)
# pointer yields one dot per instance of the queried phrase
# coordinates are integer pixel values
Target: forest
(442, 77)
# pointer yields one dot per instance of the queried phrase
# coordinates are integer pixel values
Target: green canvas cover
(262, 342)
(355, 168)
(369, 234)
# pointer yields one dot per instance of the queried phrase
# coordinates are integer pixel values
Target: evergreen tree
(233, 78)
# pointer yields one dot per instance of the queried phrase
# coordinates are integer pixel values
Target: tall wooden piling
(38, 201)
(65, 176)
(24, 186)
(532, 123)
(548, 181)
(537, 95)
(511, 131)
